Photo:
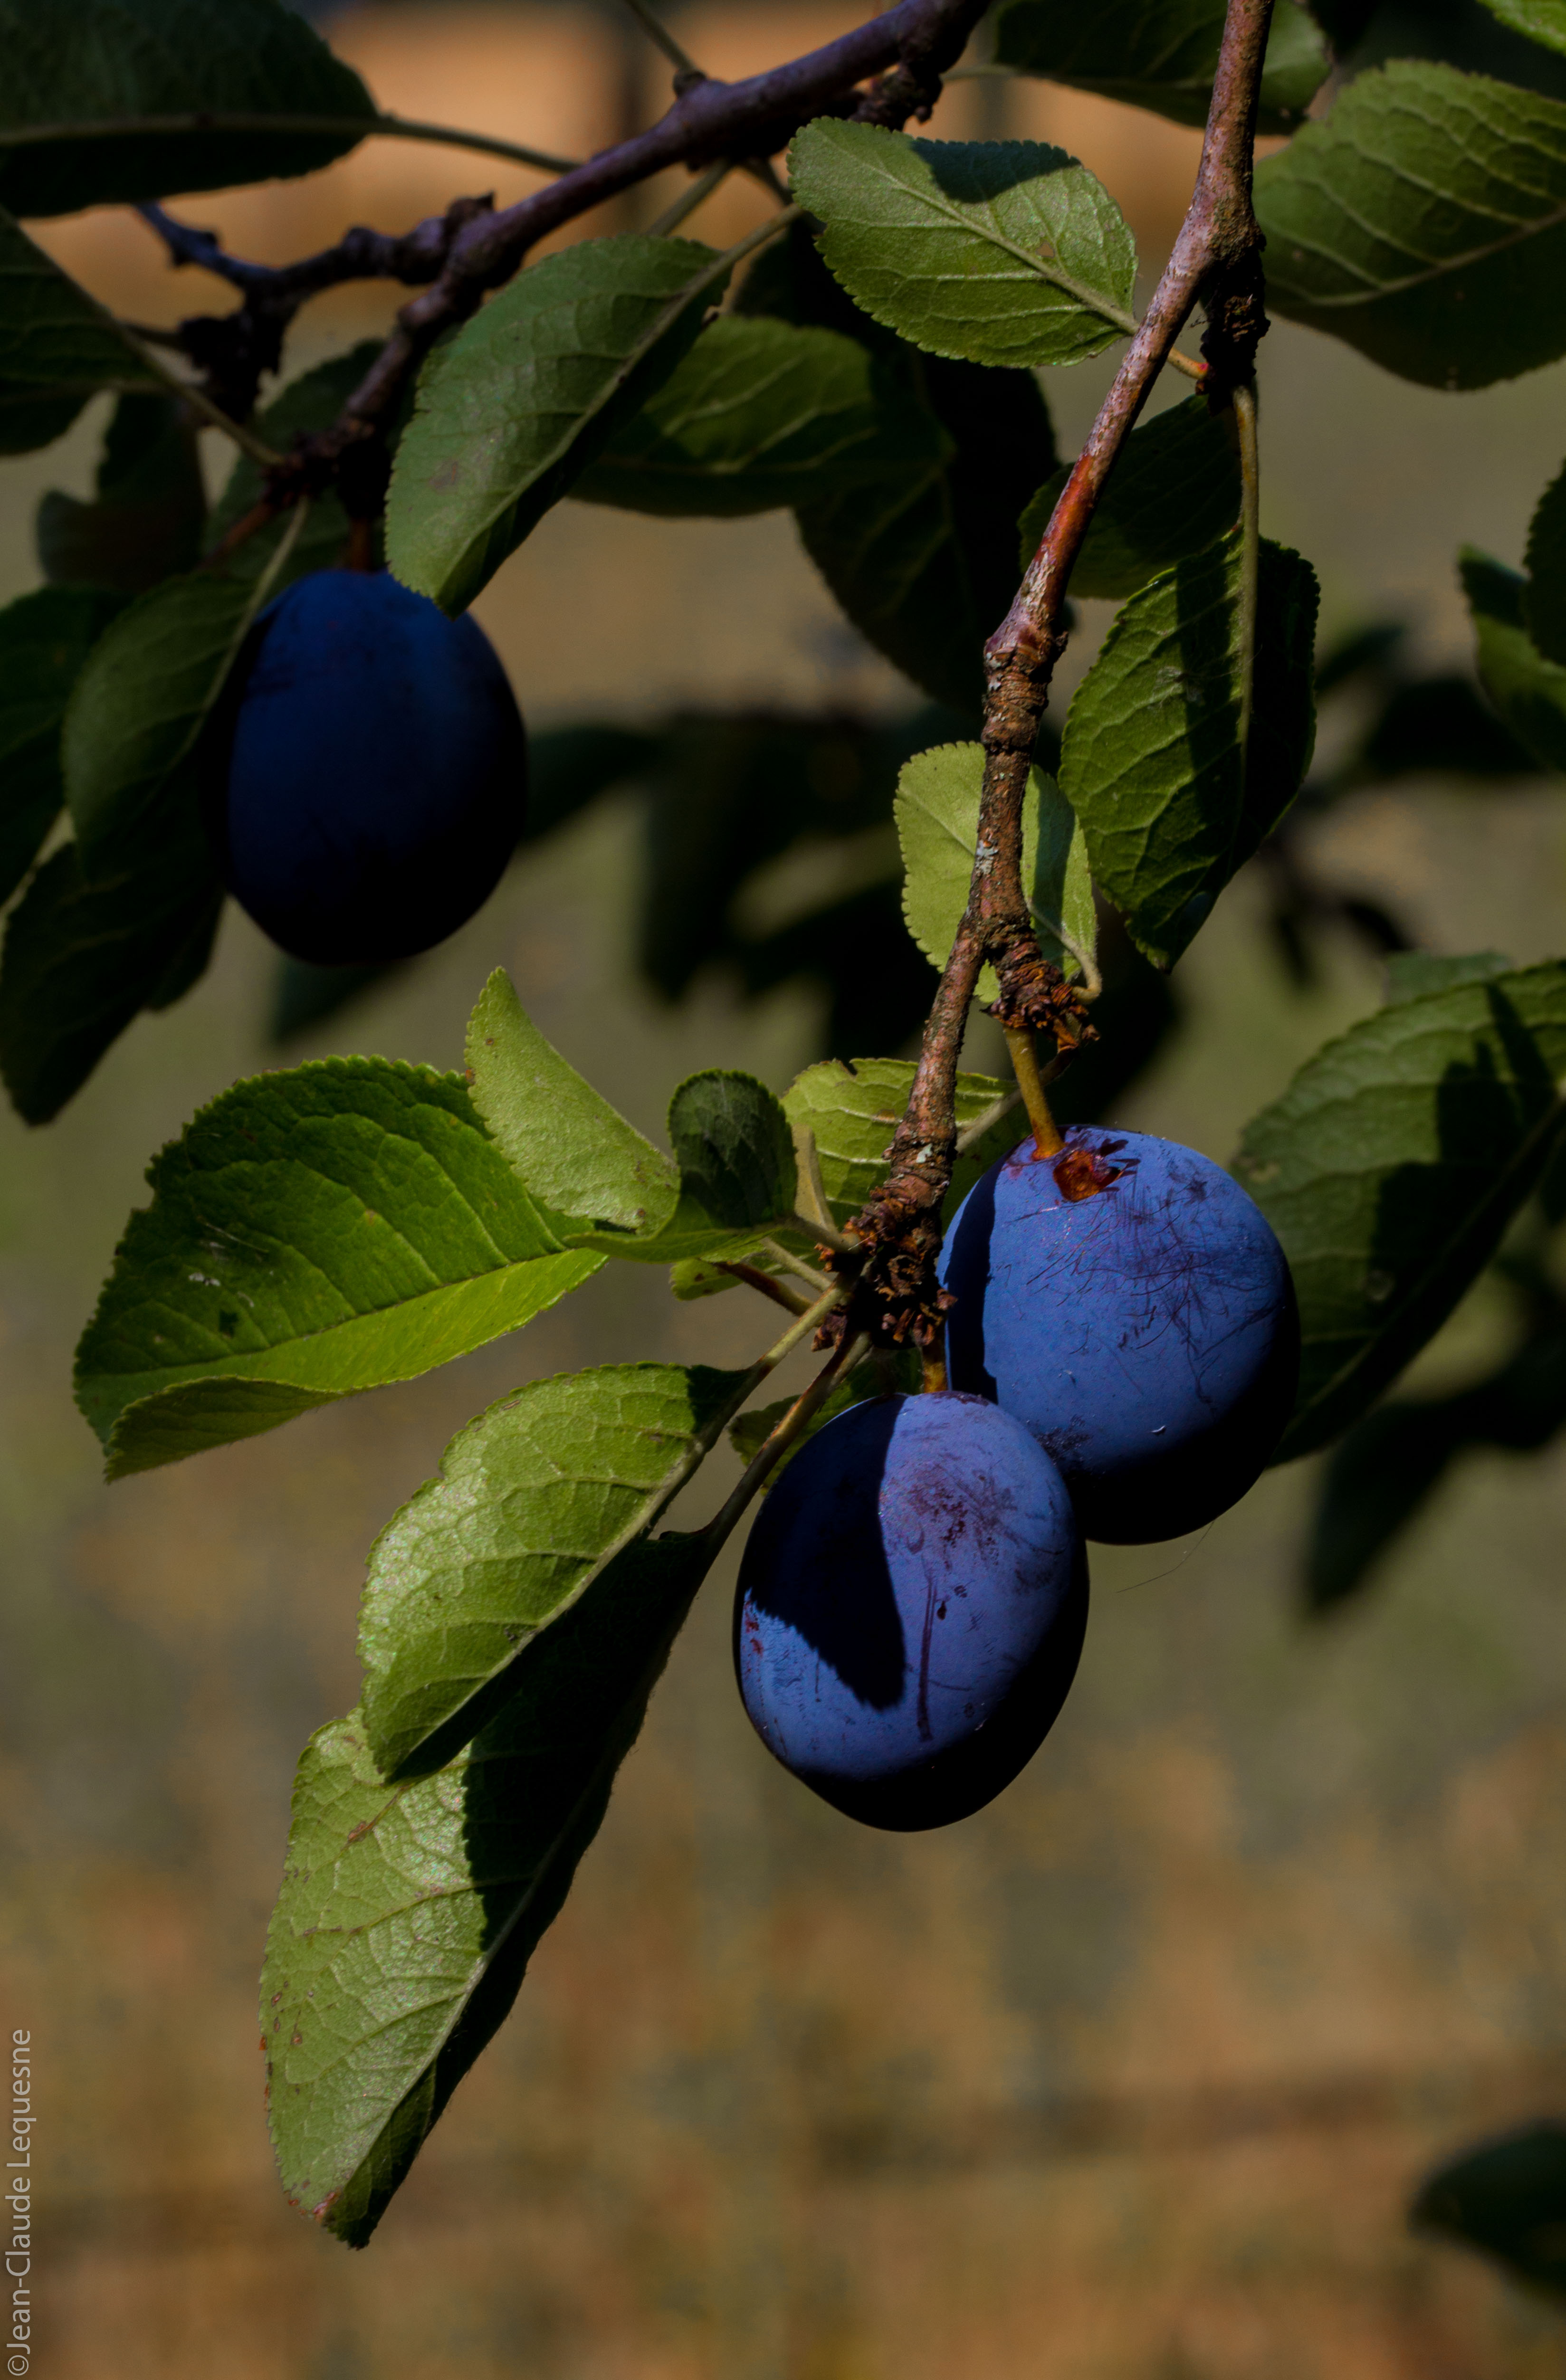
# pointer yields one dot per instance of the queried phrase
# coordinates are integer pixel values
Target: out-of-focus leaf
(57, 346)
(735, 1149)
(999, 251)
(303, 996)
(1391, 1166)
(311, 1234)
(1174, 491)
(44, 639)
(1357, 654)
(1506, 2198)
(579, 1158)
(1528, 691)
(1161, 54)
(854, 1106)
(1440, 726)
(1390, 1463)
(1538, 20)
(408, 1912)
(938, 797)
(1412, 974)
(1135, 1015)
(569, 767)
(84, 954)
(1423, 222)
(72, 62)
(1151, 760)
(1543, 596)
(528, 393)
(763, 414)
(534, 1501)
(146, 522)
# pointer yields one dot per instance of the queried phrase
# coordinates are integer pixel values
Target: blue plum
(365, 779)
(1130, 1304)
(911, 1609)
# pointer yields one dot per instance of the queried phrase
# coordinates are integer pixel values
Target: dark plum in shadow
(364, 778)
(911, 1609)
(1129, 1302)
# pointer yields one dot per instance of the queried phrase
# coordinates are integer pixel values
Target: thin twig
(688, 200)
(788, 1430)
(972, 1134)
(199, 402)
(662, 39)
(799, 1266)
(1216, 257)
(1250, 554)
(767, 1284)
(815, 1215)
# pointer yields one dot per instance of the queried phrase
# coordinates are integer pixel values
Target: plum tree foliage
(176, 723)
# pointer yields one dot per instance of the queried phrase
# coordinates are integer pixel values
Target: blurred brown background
(1129, 2076)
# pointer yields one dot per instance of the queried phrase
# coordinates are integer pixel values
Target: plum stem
(767, 1285)
(847, 1353)
(1024, 1051)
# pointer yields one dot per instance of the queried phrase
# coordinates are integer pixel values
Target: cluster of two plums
(1122, 1353)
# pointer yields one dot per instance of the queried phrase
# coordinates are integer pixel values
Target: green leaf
(1425, 223)
(735, 1149)
(762, 413)
(1391, 1166)
(84, 955)
(926, 566)
(1528, 691)
(1174, 490)
(1412, 974)
(938, 797)
(576, 1154)
(1004, 252)
(311, 403)
(140, 704)
(1544, 599)
(1159, 53)
(76, 63)
(57, 346)
(534, 1501)
(528, 393)
(1538, 20)
(854, 1106)
(311, 1234)
(1151, 761)
(146, 522)
(408, 1912)
(44, 639)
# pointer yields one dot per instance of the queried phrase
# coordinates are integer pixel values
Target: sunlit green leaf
(1424, 221)
(1151, 761)
(1001, 251)
(534, 1500)
(1159, 53)
(310, 1234)
(854, 1106)
(762, 413)
(938, 797)
(1390, 1167)
(408, 1912)
(525, 396)
(1174, 490)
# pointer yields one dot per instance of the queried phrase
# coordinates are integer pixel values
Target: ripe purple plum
(365, 778)
(911, 1609)
(1129, 1302)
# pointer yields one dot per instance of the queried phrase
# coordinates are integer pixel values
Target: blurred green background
(1132, 2074)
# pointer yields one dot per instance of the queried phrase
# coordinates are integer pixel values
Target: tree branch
(1217, 260)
